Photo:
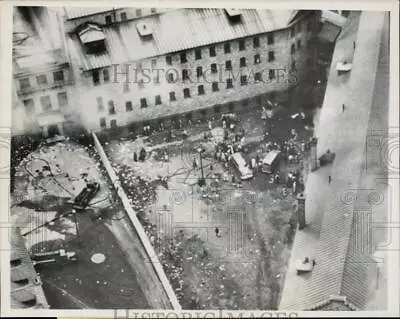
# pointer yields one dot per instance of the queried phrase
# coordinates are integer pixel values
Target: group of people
(141, 157)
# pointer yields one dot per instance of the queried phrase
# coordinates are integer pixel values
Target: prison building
(42, 76)
(187, 63)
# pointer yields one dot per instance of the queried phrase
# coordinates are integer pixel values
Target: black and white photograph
(191, 158)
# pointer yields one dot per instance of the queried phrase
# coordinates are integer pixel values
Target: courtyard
(219, 240)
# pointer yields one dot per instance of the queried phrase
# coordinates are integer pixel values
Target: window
(100, 106)
(123, 16)
(213, 68)
(128, 106)
(271, 56)
(141, 84)
(62, 99)
(229, 83)
(215, 87)
(183, 57)
(171, 77)
(228, 65)
(126, 87)
(106, 76)
(243, 80)
(258, 77)
(172, 96)
(41, 79)
(256, 42)
(158, 100)
(227, 48)
(138, 12)
(299, 44)
(103, 123)
(199, 71)
(270, 38)
(143, 103)
(271, 74)
(96, 77)
(29, 106)
(241, 45)
(45, 102)
(168, 59)
(111, 107)
(108, 19)
(153, 63)
(292, 48)
(153, 10)
(200, 89)
(212, 51)
(186, 93)
(185, 75)
(24, 83)
(197, 54)
(113, 124)
(242, 62)
(257, 59)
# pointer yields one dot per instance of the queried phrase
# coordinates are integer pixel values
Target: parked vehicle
(86, 195)
(53, 256)
(241, 165)
(271, 162)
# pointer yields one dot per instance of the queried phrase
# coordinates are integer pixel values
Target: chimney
(301, 210)
(313, 154)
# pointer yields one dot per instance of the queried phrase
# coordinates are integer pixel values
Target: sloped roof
(31, 293)
(178, 30)
(79, 12)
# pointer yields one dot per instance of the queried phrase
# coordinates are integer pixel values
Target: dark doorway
(53, 130)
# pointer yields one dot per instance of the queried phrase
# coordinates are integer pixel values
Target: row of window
(186, 93)
(41, 79)
(185, 72)
(227, 49)
(45, 102)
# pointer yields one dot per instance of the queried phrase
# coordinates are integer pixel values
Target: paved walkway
(329, 221)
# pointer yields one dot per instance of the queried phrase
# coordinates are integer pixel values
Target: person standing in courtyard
(217, 232)
(343, 107)
(135, 157)
(329, 179)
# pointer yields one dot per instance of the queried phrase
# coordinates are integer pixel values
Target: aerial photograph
(199, 159)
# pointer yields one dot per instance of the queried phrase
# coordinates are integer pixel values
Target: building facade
(147, 66)
(143, 75)
(43, 84)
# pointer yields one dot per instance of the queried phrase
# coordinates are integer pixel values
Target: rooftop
(336, 235)
(26, 288)
(197, 27)
(79, 12)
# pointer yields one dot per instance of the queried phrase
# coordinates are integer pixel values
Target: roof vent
(233, 13)
(91, 33)
(144, 29)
